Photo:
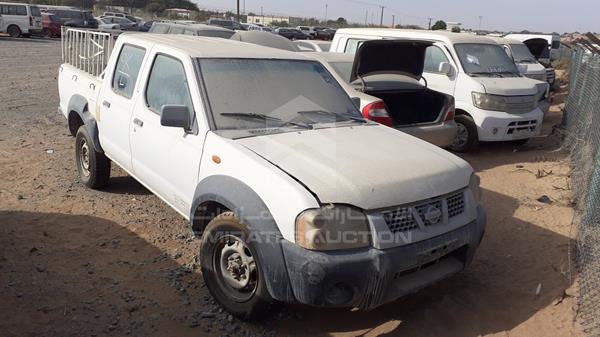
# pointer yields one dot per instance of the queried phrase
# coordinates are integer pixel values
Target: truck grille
(431, 212)
(550, 75)
(520, 104)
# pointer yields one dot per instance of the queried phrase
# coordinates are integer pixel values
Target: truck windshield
(267, 93)
(521, 54)
(479, 59)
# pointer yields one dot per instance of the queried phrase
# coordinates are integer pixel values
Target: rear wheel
(231, 268)
(466, 136)
(93, 166)
(14, 31)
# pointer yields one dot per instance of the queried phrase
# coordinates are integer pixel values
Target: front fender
(254, 213)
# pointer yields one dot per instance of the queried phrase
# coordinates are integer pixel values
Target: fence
(582, 111)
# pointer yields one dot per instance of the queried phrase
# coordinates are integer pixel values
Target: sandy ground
(77, 262)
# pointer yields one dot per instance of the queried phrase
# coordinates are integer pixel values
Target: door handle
(138, 122)
(106, 104)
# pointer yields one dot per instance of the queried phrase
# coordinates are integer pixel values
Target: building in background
(453, 26)
(179, 12)
(266, 20)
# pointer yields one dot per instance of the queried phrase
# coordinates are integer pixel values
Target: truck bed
(85, 54)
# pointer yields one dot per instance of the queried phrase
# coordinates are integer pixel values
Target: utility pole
(372, 18)
(393, 20)
(366, 16)
(381, 20)
(326, 5)
(244, 7)
(429, 28)
(262, 20)
(480, 18)
(238, 10)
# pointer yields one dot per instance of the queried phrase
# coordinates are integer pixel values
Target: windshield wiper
(336, 114)
(484, 73)
(265, 118)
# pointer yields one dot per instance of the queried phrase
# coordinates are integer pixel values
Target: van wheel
(466, 136)
(14, 31)
(93, 167)
(231, 268)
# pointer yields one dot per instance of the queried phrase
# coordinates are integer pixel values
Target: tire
(46, 32)
(93, 167)
(14, 31)
(242, 291)
(466, 137)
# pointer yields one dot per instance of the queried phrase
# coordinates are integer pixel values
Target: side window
(176, 30)
(189, 32)
(127, 70)
(433, 57)
(352, 45)
(167, 84)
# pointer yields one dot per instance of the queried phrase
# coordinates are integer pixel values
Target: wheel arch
(226, 193)
(462, 112)
(79, 113)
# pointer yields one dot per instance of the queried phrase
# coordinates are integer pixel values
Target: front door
(116, 104)
(436, 80)
(167, 159)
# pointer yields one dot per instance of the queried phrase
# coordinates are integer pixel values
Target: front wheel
(14, 31)
(93, 166)
(466, 134)
(231, 268)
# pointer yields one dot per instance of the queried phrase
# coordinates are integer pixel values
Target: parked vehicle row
(19, 19)
(493, 101)
(297, 197)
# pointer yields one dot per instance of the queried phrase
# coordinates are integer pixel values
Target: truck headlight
(474, 187)
(489, 102)
(332, 227)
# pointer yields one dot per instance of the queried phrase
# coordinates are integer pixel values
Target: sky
(504, 15)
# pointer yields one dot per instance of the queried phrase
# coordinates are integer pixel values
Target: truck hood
(508, 86)
(368, 166)
(532, 68)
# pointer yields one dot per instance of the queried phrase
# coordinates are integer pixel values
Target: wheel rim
(462, 136)
(84, 157)
(236, 268)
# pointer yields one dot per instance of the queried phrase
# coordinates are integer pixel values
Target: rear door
(116, 102)
(167, 159)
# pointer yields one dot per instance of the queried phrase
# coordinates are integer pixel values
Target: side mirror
(175, 115)
(356, 101)
(446, 68)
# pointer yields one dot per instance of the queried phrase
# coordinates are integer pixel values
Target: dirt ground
(78, 262)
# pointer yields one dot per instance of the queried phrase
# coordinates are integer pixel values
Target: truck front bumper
(371, 277)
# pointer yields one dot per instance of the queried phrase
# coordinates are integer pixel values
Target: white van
(18, 19)
(545, 47)
(521, 55)
(493, 101)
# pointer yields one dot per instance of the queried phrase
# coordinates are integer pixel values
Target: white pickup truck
(297, 198)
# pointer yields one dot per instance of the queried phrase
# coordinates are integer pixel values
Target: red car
(51, 25)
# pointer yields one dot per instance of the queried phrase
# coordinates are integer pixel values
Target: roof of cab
(431, 35)
(198, 46)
